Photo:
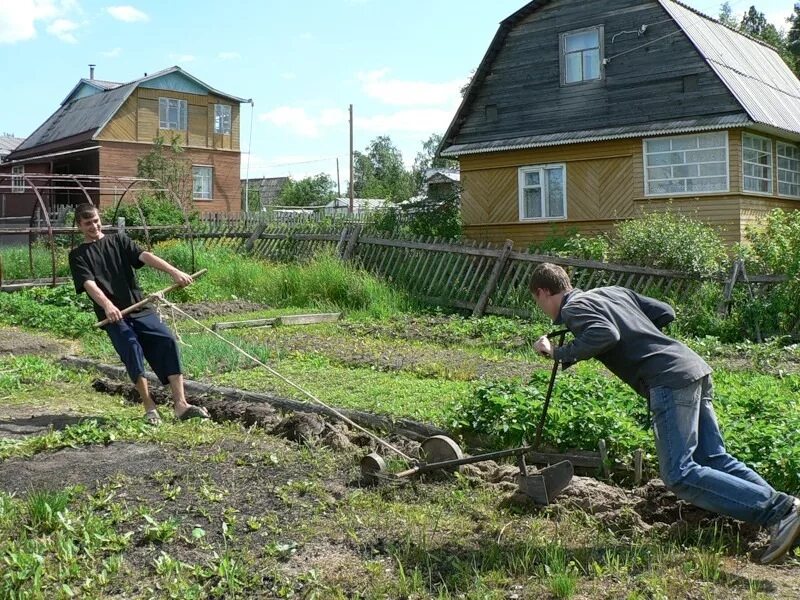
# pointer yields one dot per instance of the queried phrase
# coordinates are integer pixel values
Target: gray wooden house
(584, 113)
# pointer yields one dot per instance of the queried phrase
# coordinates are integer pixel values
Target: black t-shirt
(110, 263)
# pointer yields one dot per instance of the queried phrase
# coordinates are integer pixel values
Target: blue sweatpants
(145, 337)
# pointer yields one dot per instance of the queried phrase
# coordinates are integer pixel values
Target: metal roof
(8, 143)
(754, 72)
(599, 135)
(90, 114)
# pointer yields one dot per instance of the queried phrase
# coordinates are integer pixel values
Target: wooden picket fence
(480, 277)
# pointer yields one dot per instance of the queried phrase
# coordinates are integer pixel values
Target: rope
(288, 381)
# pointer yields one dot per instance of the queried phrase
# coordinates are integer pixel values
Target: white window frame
(793, 170)
(768, 166)
(698, 136)
(204, 194)
(17, 180)
(563, 55)
(165, 105)
(521, 187)
(223, 119)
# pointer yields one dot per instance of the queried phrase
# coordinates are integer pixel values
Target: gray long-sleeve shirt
(622, 329)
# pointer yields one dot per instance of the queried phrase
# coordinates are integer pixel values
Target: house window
(172, 113)
(788, 170)
(542, 192)
(581, 55)
(202, 179)
(686, 164)
(757, 163)
(17, 181)
(222, 118)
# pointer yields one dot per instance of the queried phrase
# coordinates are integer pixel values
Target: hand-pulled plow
(443, 454)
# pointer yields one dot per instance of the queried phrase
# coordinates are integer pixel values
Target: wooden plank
(425, 246)
(309, 319)
(244, 324)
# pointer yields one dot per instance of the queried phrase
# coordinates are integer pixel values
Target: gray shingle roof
(83, 115)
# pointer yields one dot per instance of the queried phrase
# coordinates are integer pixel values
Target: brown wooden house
(585, 113)
(102, 128)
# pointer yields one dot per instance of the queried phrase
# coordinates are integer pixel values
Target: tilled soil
(203, 310)
(15, 341)
(624, 511)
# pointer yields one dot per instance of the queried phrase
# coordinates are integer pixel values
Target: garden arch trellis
(42, 185)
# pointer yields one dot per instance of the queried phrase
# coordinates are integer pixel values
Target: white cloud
(62, 29)
(127, 13)
(229, 56)
(422, 121)
(289, 75)
(333, 116)
(113, 53)
(293, 119)
(377, 85)
(182, 58)
(18, 18)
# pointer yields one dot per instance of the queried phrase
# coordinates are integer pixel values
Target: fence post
(342, 238)
(727, 291)
(121, 225)
(251, 241)
(491, 285)
(351, 243)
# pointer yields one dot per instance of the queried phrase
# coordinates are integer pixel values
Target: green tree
(310, 191)
(726, 16)
(793, 37)
(170, 171)
(427, 159)
(380, 173)
(754, 23)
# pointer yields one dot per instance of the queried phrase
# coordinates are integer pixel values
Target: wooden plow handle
(151, 297)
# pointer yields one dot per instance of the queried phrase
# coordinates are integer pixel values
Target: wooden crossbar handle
(151, 297)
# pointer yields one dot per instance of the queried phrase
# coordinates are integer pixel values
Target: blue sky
(400, 63)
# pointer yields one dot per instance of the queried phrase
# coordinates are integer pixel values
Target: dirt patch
(204, 310)
(81, 466)
(15, 341)
(22, 421)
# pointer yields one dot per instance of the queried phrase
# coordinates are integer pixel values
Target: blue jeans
(695, 465)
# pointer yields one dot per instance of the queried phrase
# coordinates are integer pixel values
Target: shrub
(775, 248)
(667, 240)
(573, 245)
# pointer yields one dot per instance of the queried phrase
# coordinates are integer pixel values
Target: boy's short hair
(550, 277)
(85, 211)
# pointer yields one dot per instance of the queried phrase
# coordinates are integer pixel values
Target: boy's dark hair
(85, 211)
(550, 277)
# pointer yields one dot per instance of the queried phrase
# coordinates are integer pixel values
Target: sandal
(152, 417)
(193, 412)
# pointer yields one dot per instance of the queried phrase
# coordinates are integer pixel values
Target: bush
(775, 248)
(572, 244)
(156, 210)
(668, 240)
(430, 217)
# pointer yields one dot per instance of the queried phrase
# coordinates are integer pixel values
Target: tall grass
(324, 282)
(16, 261)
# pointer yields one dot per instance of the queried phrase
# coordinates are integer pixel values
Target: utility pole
(350, 210)
(338, 181)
